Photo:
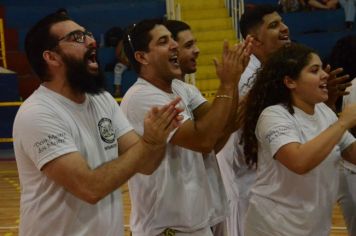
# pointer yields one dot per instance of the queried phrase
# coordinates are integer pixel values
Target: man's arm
(73, 173)
(230, 127)
(201, 135)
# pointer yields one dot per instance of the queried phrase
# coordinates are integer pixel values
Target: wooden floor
(9, 204)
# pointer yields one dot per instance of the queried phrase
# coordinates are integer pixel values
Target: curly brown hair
(269, 89)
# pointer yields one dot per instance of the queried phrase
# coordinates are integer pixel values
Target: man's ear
(256, 41)
(51, 58)
(289, 82)
(141, 57)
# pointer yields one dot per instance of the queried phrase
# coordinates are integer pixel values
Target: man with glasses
(74, 147)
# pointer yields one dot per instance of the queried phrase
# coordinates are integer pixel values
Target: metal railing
(173, 10)
(236, 9)
(2, 44)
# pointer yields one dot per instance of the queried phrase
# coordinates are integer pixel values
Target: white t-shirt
(283, 202)
(178, 194)
(248, 77)
(351, 97)
(47, 126)
(216, 186)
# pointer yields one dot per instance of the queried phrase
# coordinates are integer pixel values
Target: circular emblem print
(106, 130)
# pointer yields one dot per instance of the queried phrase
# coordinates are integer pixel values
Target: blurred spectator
(291, 5)
(114, 38)
(322, 4)
(349, 8)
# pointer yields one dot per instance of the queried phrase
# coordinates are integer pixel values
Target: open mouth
(173, 59)
(324, 87)
(284, 38)
(92, 59)
(194, 62)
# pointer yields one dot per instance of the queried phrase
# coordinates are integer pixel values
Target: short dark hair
(113, 36)
(176, 26)
(253, 17)
(137, 38)
(39, 39)
(62, 10)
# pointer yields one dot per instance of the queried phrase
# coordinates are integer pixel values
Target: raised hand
(233, 61)
(336, 85)
(159, 122)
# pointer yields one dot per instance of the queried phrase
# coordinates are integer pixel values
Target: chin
(192, 71)
(93, 71)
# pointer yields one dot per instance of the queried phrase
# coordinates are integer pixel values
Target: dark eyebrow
(190, 42)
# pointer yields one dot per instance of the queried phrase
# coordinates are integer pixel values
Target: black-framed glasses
(77, 36)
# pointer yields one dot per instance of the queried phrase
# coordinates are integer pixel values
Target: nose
(324, 75)
(90, 42)
(284, 27)
(196, 50)
(173, 44)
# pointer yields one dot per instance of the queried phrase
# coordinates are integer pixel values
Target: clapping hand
(159, 122)
(233, 61)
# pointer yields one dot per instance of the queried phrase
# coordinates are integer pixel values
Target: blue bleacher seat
(317, 29)
(314, 21)
(322, 42)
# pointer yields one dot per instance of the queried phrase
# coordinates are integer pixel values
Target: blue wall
(96, 16)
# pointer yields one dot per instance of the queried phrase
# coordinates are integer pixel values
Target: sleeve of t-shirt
(43, 136)
(195, 97)
(275, 127)
(138, 102)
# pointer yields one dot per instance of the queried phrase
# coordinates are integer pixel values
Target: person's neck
(66, 91)
(161, 83)
(182, 77)
(262, 58)
(260, 55)
(308, 108)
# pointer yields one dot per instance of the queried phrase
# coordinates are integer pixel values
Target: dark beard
(79, 77)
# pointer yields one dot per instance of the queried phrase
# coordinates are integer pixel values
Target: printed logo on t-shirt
(50, 141)
(106, 130)
(276, 133)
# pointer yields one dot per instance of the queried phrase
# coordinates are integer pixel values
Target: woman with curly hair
(295, 141)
